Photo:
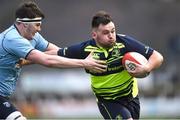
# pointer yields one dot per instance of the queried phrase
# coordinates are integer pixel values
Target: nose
(110, 36)
(39, 28)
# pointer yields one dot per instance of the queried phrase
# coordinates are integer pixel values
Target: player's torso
(9, 58)
(112, 57)
(115, 82)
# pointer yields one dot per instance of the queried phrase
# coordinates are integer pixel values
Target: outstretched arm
(61, 62)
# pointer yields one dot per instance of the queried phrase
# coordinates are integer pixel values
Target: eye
(112, 31)
(106, 32)
(38, 24)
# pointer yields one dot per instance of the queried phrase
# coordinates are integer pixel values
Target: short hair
(101, 17)
(29, 10)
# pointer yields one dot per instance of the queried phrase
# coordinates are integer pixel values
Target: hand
(95, 66)
(23, 62)
(140, 71)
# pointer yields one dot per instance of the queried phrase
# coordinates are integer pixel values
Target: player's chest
(112, 56)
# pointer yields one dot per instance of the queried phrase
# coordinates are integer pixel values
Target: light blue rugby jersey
(13, 47)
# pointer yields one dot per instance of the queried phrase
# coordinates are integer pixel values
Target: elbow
(159, 59)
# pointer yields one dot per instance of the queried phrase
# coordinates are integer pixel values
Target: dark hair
(101, 17)
(29, 10)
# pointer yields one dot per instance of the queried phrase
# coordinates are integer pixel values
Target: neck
(20, 29)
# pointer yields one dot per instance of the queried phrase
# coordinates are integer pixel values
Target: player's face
(32, 29)
(105, 35)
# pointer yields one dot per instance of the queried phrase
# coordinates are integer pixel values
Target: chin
(111, 45)
(29, 38)
(108, 47)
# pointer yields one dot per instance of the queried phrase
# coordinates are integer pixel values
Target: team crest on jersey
(7, 104)
(116, 52)
(96, 55)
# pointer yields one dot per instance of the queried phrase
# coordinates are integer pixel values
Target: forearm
(61, 62)
(51, 52)
(53, 60)
(52, 49)
(154, 61)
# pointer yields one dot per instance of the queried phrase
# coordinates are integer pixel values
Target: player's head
(29, 16)
(103, 29)
(29, 10)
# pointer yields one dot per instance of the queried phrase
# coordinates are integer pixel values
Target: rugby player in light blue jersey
(22, 40)
(116, 90)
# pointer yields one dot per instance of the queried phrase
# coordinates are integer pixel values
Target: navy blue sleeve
(133, 45)
(74, 51)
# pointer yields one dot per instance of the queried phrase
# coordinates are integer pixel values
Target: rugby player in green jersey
(116, 90)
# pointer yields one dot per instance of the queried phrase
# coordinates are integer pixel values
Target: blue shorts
(120, 109)
(6, 107)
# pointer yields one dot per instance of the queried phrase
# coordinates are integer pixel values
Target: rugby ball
(130, 58)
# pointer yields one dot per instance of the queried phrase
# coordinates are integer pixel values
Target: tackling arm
(62, 62)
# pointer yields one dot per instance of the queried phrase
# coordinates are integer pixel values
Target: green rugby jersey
(116, 81)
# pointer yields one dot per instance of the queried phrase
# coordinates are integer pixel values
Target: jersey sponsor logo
(147, 49)
(6, 104)
(114, 68)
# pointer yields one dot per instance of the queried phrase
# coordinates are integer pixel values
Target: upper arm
(133, 45)
(19, 47)
(36, 56)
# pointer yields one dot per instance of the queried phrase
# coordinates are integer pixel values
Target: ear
(94, 34)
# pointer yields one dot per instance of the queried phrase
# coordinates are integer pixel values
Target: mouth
(111, 42)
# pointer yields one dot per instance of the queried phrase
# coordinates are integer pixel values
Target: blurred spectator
(172, 68)
(173, 46)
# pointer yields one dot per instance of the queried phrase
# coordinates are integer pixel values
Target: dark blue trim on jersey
(16, 28)
(47, 46)
(28, 53)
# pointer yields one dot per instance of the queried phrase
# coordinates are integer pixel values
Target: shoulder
(38, 37)
(11, 33)
(86, 43)
(123, 37)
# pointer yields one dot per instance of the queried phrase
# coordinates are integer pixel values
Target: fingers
(97, 70)
(139, 72)
(101, 64)
(90, 54)
(97, 66)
